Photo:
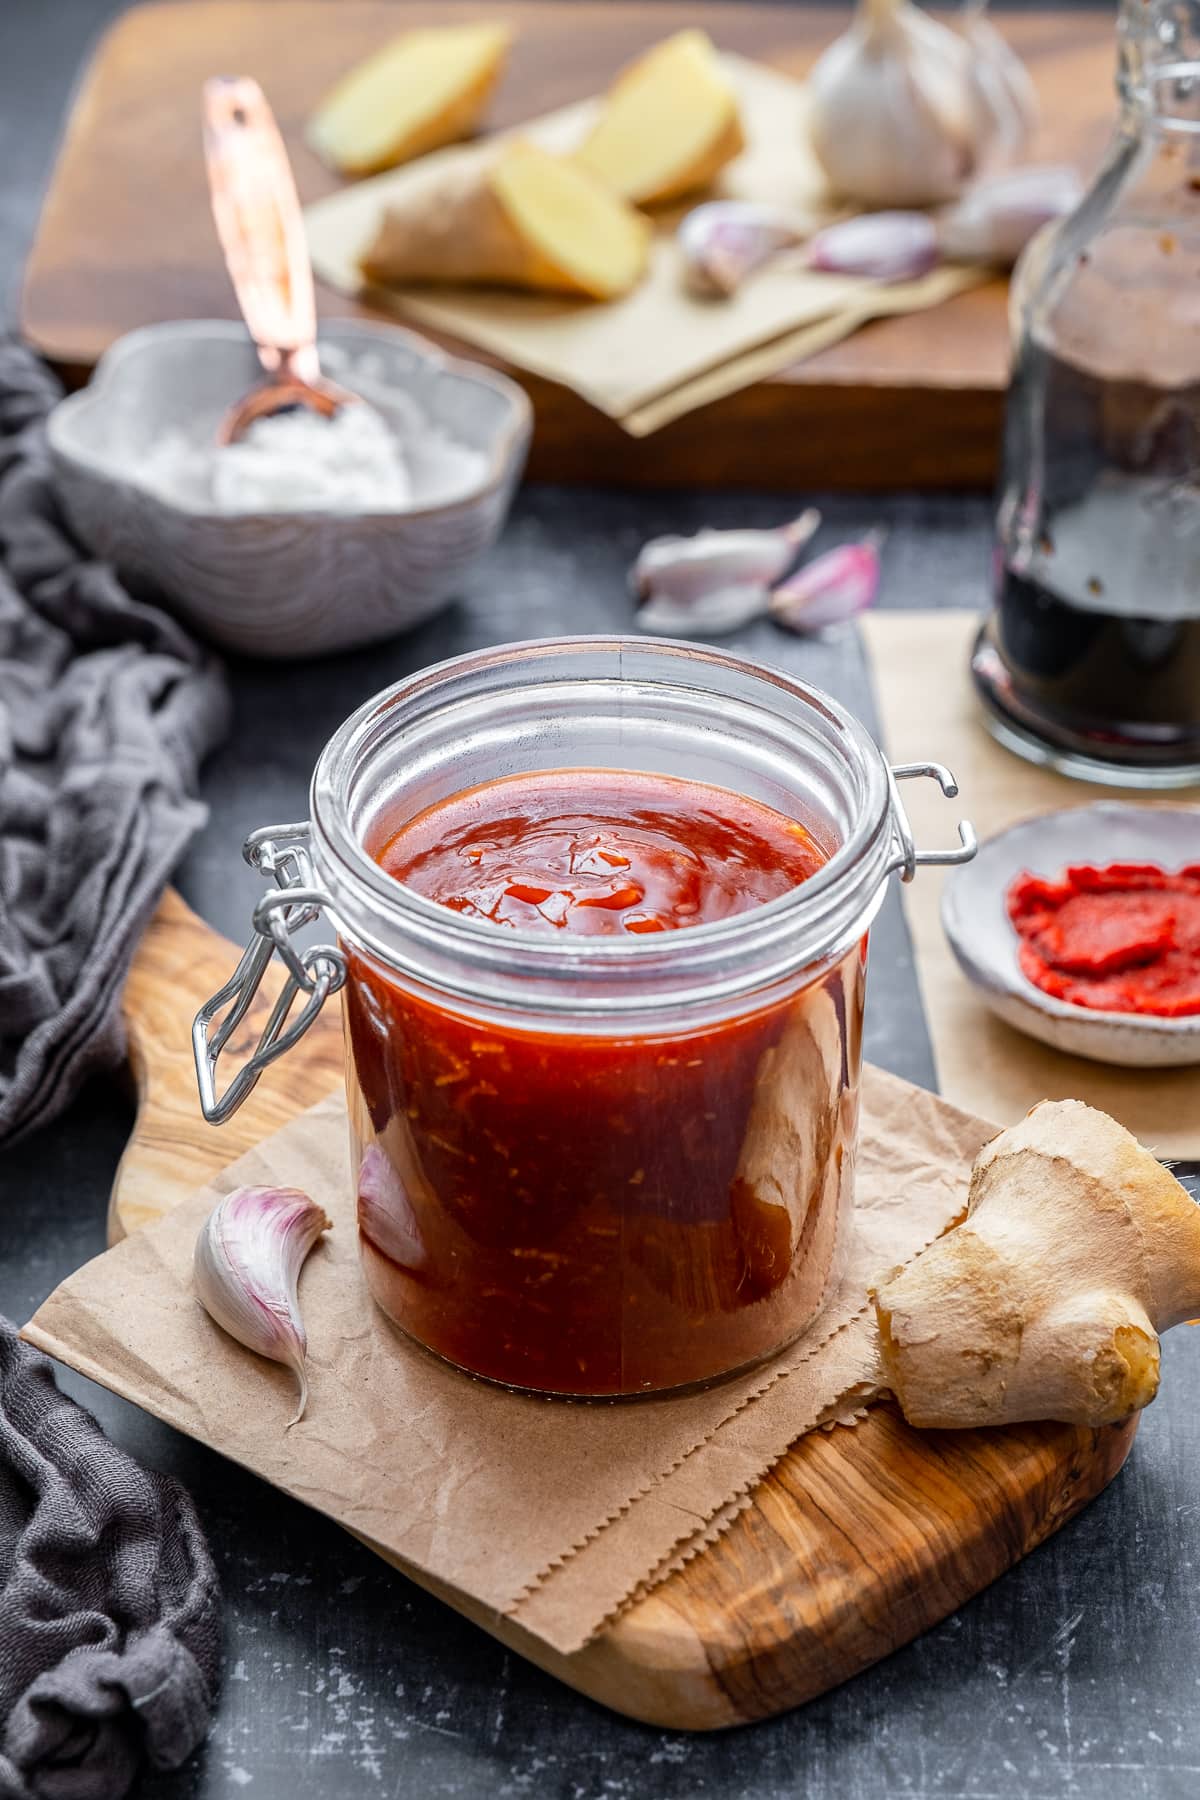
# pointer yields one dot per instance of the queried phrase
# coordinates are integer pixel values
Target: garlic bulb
(725, 240)
(247, 1264)
(891, 119)
(1001, 91)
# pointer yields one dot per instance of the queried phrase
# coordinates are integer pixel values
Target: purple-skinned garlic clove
(247, 1265)
(886, 246)
(386, 1214)
(685, 569)
(996, 218)
(724, 241)
(829, 590)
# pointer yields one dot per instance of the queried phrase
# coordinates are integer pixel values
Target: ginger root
(1078, 1248)
(521, 218)
(424, 89)
(667, 124)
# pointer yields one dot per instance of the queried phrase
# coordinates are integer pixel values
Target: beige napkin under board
(548, 1512)
(927, 708)
(659, 352)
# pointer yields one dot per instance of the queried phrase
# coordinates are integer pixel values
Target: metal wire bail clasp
(280, 853)
(908, 858)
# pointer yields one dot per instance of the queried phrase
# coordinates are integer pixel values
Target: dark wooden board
(125, 237)
(857, 1539)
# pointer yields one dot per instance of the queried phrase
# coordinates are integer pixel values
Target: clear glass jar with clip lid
(590, 1165)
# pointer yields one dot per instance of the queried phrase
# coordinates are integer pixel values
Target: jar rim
(846, 885)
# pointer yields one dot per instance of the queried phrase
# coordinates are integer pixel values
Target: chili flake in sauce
(1123, 938)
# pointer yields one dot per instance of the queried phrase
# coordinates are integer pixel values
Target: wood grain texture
(856, 1541)
(126, 239)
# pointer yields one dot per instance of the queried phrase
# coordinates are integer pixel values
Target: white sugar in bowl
(272, 556)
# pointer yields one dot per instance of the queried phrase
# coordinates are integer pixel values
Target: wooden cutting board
(857, 1539)
(126, 239)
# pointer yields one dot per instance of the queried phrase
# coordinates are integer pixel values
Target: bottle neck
(1158, 66)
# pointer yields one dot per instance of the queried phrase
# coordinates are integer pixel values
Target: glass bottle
(1090, 659)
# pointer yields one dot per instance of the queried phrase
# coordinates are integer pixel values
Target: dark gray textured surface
(1076, 1675)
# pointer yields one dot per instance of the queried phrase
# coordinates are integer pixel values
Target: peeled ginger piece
(669, 122)
(424, 89)
(521, 218)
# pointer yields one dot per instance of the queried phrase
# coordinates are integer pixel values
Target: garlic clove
(724, 241)
(830, 589)
(888, 246)
(996, 218)
(1002, 94)
(386, 1215)
(247, 1265)
(686, 568)
(712, 613)
(890, 117)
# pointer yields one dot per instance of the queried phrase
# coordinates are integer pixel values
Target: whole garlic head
(903, 111)
(1001, 90)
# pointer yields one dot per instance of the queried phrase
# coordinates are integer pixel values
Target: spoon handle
(260, 226)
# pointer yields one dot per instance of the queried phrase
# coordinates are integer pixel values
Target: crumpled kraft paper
(913, 1167)
(659, 352)
(549, 1511)
(927, 707)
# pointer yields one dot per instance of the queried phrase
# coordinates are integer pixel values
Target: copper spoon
(261, 230)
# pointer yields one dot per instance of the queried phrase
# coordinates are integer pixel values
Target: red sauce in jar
(1125, 938)
(592, 1214)
(597, 853)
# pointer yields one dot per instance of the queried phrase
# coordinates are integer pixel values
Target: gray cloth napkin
(109, 1628)
(107, 709)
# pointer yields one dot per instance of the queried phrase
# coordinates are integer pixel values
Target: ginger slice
(522, 218)
(668, 123)
(1078, 1248)
(424, 89)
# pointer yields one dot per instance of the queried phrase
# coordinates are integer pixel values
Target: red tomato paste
(1125, 938)
(602, 1214)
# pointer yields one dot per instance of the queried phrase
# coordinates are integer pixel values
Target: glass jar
(590, 1166)
(1090, 660)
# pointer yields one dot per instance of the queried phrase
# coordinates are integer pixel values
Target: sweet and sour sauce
(588, 1212)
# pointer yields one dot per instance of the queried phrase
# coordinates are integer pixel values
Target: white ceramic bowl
(985, 944)
(289, 584)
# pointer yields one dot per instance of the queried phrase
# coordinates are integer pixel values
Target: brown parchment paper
(913, 1168)
(927, 708)
(486, 1492)
(659, 352)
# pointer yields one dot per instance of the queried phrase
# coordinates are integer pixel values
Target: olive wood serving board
(126, 238)
(857, 1539)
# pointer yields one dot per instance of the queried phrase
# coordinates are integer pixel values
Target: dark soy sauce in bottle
(1096, 622)
(1090, 658)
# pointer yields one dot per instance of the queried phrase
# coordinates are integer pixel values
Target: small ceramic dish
(288, 584)
(985, 944)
